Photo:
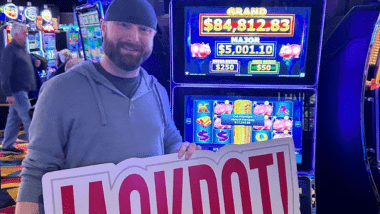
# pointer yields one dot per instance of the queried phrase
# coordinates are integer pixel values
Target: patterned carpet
(10, 166)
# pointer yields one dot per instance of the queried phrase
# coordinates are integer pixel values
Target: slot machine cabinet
(48, 25)
(88, 17)
(348, 117)
(254, 58)
(34, 42)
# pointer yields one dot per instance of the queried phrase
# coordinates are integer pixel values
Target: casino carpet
(10, 176)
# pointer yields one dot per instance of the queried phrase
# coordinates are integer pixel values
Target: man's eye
(124, 25)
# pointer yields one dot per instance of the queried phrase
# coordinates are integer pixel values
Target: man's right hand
(28, 208)
(10, 100)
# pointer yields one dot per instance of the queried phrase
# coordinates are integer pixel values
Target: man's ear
(103, 26)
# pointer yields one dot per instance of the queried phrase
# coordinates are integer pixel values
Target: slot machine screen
(89, 23)
(245, 43)
(49, 41)
(212, 117)
(34, 40)
(73, 41)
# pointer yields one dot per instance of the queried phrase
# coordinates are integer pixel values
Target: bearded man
(102, 112)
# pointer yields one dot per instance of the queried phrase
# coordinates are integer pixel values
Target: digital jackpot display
(246, 41)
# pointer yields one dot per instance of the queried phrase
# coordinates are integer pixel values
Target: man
(102, 112)
(17, 79)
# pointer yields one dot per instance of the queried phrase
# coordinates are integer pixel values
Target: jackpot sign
(252, 178)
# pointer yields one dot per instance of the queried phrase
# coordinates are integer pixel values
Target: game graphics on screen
(246, 41)
(92, 35)
(220, 120)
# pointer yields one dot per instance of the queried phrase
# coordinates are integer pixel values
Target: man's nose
(133, 34)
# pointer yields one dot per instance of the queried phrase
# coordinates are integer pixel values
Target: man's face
(21, 35)
(127, 45)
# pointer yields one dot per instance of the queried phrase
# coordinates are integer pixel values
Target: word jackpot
(253, 178)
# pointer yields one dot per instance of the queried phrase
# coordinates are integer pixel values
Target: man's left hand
(188, 149)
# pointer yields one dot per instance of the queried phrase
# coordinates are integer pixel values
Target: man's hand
(189, 149)
(37, 63)
(28, 208)
(10, 100)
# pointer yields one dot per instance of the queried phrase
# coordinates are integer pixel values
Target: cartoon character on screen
(265, 109)
(219, 109)
(282, 127)
(281, 135)
(223, 108)
(268, 122)
(289, 53)
(200, 52)
(283, 124)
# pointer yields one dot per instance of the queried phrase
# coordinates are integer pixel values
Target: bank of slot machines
(347, 154)
(88, 17)
(247, 71)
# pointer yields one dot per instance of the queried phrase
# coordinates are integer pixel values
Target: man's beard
(127, 62)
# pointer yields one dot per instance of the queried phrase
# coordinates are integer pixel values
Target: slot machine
(48, 25)
(9, 14)
(68, 37)
(34, 39)
(247, 71)
(347, 166)
(88, 17)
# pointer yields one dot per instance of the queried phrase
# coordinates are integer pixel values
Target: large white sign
(258, 178)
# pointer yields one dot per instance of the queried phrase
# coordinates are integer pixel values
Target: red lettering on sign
(234, 165)
(97, 202)
(196, 174)
(67, 194)
(283, 181)
(162, 201)
(261, 162)
(130, 183)
(177, 190)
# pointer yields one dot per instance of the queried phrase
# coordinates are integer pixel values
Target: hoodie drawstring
(98, 101)
(160, 103)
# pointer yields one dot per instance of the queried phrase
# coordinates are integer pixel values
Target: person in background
(103, 112)
(64, 56)
(72, 62)
(38, 66)
(17, 79)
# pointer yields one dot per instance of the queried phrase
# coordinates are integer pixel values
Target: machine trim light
(31, 13)
(11, 11)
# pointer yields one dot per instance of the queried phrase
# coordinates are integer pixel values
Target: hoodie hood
(95, 79)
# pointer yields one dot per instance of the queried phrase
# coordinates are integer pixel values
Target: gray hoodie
(81, 119)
